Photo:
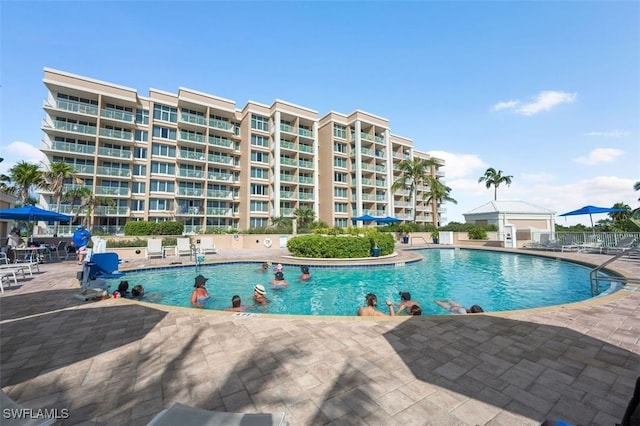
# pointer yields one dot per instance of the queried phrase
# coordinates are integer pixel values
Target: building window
(340, 223)
(141, 135)
(339, 131)
(138, 187)
(340, 207)
(163, 168)
(139, 153)
(163, 150)
(259, 173)
(137, 205)
(165, 113)
(258, 222)
(340, 177)
(257, 189)
(142, 116)
(340, 147)
(340, 192)
(257, 140)
(259, 122)
(162, 186)
(259, 206)
(260, 157)
(164, 133)
(160, 204)
(139, 170)
(340, 162)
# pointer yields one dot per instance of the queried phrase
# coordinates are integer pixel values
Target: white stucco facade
(521, 214)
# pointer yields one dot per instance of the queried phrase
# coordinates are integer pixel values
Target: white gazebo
(526, 218)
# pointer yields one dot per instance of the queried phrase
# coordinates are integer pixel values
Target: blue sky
(547, 92)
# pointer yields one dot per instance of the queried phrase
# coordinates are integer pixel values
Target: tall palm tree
(621, 215)
(495, 178)
(437, 193)
(636, 187)
(78, 195)
(413, 174)
(55, 177)
(22, 179)
(92, 203)
(305, 215)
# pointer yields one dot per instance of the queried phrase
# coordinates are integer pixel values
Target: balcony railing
(379, 139)
(220, 159)
(216, 193)
(118, 115)
(113, 171)
(211, 211)
(366, 136)
(287, 145)
(190, 192)
(70, 147)
(112, 191)
(220, 124)
(191, 137)
(305, 179)
(73, 127)
(83, 169)
(288, 161)
(306, 148)
(226, 177)
(287, 128)
(305, 196)
(187, 117)
(112, 211)
(306, 164)
(290, 195)
(72, 106)
(306, 133)
(114, 152)
(218, 141)
(189, 211)
(197, 174)
(191, 155)
(287, 178)
(116, 134)
(286, 211)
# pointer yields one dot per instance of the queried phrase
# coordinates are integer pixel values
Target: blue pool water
(495, 281)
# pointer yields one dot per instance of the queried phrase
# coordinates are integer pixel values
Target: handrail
(594, 278)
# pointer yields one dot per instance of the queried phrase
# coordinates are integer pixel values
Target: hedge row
(339, 247)
(153, 228)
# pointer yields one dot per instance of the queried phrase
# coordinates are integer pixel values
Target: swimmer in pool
(200, 294)
(278, 281)
(456, 308)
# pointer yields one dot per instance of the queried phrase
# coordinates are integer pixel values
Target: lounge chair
(208, 246)
(183, 246)
(625, 244)
(569, 244)
(8, 273)
(154, 248)
(11, 406)
(180, 414)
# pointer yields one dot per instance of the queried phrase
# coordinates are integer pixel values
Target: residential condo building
(197, 158)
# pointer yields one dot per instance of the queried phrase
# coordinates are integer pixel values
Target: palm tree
(80, 196)
(55, 177)
(437, 193)
(281, 222)
(22, 179)
(636, 187)
(413, 173)
(305, 215)
(92, 203)
(495, 178)
(621, 215)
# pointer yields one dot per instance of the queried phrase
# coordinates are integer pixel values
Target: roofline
(89, 79)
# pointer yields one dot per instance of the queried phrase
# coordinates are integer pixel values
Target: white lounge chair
(180, 414)
(154, 248)
(10, 406)
(183, 246)
(7, 274)
(625, 244)
(207, 245)
(569, 244)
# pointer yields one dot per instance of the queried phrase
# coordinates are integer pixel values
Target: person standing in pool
(200, 294)
(371, 311)
(236, 304)
(259, 295)
(278, 281)
(305, 275)
(456, 308)
(405, 302)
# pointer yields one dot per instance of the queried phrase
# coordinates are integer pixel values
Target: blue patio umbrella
(590, 210)
(365, 218)
(32, 214)
(388, 219)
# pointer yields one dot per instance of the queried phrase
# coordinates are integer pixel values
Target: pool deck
(116, 362)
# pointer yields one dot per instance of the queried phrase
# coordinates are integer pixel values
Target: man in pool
(259, 295)
(456, 308)
(236, 304)
(371, 311)
(405, 302)
(278, 281)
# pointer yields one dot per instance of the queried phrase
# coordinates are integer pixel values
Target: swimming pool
(495, 281)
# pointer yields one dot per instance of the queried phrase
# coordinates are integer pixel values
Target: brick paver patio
(116, 362)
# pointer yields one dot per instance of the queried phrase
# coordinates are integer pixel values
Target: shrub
(153, 228)
(340, 246)
(139, 242)
(478, 234)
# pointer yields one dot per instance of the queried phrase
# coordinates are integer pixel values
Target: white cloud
(600, 155)
(538, 177)
(610, 133)
(458, 165)
(505, 105)
(543, 101)
(20, 151)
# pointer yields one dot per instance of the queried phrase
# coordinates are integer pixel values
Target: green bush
(153, 228)
(139, 242)
(340, 246)
(478, 234)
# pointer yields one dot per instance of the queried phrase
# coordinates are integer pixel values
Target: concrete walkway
(117, 362)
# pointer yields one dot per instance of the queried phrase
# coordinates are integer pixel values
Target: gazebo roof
(509, 207)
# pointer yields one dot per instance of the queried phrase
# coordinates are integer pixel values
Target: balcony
(83, 169)
(382, 198)
(306, 148)
(368, 182)
(287, 128)
(221, 124)
(367, 151)
(116, 134)
(112, 191)
(115, 153)
(191, 137)
(366, 136)
(306, 196)
(379, 139)
(113, 171)
(287, 145)
(221, 159)
(74, 148)
(305, 180)
(191, 155)
(305, 164)
(287, 178)
(187, 117)
(117, 115)
(305, 133)
(71, 106)
(288, 161)
(189, 173)
(381, 169)
(83, 129)
(381, 184)
(286, 211)
(218, 141)
(223, 177)
(189, 211)
(112, 211)
(368, 197)
(216, 193)
(211, 211)
(190, 192)
(288, 195)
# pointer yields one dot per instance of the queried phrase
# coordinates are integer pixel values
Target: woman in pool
(305, 276)
(236, 304)
(371, 311)
(278, 281)
(456, 308)
(264, 267)
(200, 294)
(137, 292)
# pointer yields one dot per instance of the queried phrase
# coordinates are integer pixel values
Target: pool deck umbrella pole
(591, 210)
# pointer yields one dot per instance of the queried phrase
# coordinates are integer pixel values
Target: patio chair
(625, 244)
(61, 250)
(9, 404)
(569, 244)
(185, 415)
(8, 273)
(208, 246)
(183, 246)
(154, 248)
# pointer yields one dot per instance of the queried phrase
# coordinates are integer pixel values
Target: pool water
(495, 281)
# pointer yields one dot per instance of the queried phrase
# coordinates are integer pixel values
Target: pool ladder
(595, 277)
